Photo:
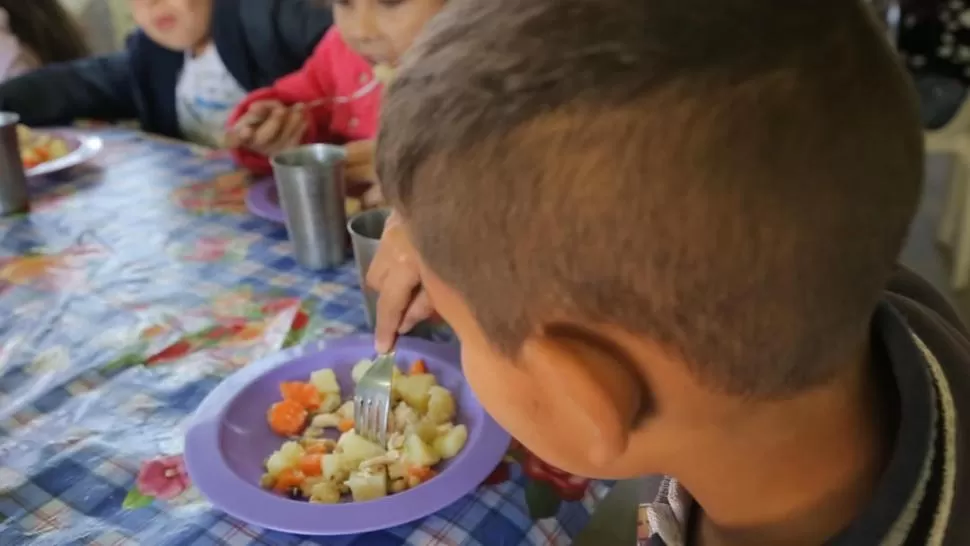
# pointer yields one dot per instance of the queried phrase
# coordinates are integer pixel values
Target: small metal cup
(366, 229)
(310, 182)
(13, 182)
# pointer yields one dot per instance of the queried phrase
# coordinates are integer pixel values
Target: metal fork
(372, 400)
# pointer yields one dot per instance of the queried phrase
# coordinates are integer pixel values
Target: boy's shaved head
(732, 179)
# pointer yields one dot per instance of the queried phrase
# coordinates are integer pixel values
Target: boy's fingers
(419, 310)
(396, 295)
(388, 256)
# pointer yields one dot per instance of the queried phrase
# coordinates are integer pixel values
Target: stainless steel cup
(13, 182)
(310, 183)
(366, 229)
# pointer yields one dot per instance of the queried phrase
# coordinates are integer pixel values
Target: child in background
(181, 74)
(667, 242)
(333, 98)
(35, 33)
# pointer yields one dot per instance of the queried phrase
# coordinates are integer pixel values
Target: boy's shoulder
(924, 495)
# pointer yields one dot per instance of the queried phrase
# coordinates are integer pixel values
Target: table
(138, 282)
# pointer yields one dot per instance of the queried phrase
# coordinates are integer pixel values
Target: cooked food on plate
(38, 147)
(312, 466)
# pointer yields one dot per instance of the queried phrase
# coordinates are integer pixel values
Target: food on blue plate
(39, 147)
(311, 466)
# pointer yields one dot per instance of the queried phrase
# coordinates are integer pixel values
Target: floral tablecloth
(136, 284)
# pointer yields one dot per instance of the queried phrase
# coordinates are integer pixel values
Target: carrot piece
(346, 425)
(311, 464)
(303, 394)
(418, 367)
(288, 479)
(422, 473)
(287, 418)
(317, 449)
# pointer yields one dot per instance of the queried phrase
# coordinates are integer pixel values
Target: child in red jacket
(333, 98)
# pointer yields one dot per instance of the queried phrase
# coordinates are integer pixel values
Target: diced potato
(367, 486)
(326, 420)
(452, 442)
(397, 471)
(399, 485)
(356, 449)
(288, 455)
(441, 405)
(346, 411)
(334, 468)
(415, 390)
(330, 402)
(325, 381)
(360, 369)
(395, 441)
(424, 429)
(309, 483)
(418, 453)
(404, 416)
(325, 492)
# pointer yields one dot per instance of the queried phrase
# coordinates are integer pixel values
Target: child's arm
(313, 82)
(59, 94)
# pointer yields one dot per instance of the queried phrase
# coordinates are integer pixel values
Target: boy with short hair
(182, 73)
(666, 232)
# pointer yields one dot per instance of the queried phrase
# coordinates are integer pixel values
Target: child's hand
(403, 303)
(359, 164)
(269, 127)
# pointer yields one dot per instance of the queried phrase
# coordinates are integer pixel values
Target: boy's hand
(269, 127)
(359, 165)
(403, 303)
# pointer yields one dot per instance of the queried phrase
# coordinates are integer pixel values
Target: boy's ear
(591, 385)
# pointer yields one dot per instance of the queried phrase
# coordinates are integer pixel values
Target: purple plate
(82, 148)
(229, 439)
(263, 200)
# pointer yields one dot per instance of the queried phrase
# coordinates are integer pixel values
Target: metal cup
(366, 229)
(310, 182)
(13, 182)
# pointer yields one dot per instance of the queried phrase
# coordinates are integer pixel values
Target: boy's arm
(311, 83)
(59, 94)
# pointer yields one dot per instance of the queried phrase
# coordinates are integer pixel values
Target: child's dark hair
(732, 180)
(47, 29)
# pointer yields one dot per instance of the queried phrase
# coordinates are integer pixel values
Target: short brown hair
(47, 29)
(731, 179)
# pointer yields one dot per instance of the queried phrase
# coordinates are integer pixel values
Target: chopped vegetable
(287, 418)
(288, 479)
(311, 464)
(422, 432)
(325, 381)
(418, 367)
(304, 394)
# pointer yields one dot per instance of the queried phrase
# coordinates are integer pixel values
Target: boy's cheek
(512, 397)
